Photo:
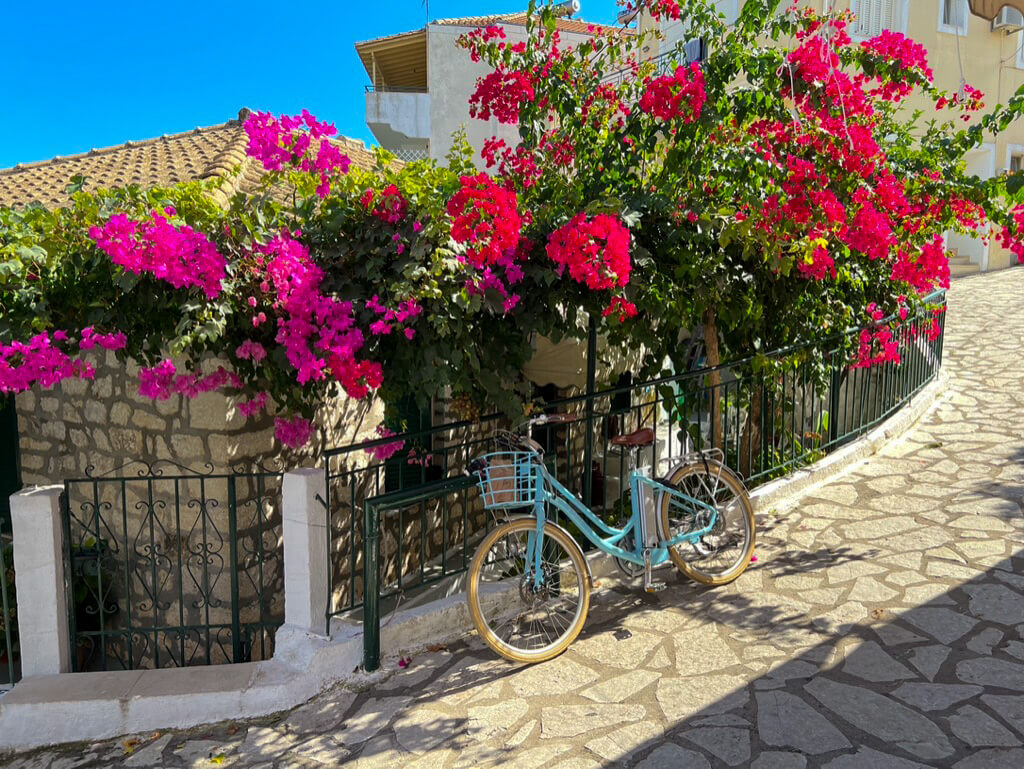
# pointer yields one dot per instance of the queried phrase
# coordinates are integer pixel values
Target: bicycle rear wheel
(721, 555)
(519, 621)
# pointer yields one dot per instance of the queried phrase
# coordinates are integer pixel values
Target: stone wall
(105, 424)
(164, 550)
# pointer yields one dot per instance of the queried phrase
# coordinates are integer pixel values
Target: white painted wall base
(73, 707)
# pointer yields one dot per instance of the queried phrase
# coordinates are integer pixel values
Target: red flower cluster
(680, 95)
(517, 163)
(930, 268)
(486, 217)
(907, 54)
(621, 307)
(501, 95)
(390, 207)
(1012, 240)
(662, 9)
(595, 251)
(818, 265)
(878, 346)
(870, 232)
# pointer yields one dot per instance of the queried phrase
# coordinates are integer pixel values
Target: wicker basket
(509, 479)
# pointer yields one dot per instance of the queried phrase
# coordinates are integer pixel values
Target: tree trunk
(714, 379)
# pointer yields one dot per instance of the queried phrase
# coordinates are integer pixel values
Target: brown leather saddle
(642, 437)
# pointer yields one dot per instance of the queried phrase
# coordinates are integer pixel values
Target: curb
(783, 492)
(76, 707)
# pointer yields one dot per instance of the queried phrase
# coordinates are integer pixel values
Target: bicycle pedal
(654, 587)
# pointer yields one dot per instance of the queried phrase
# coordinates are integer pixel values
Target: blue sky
(83, 75)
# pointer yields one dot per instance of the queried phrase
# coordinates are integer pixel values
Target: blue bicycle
(529, 582)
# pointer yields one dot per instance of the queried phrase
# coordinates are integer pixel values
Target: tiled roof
(201, 153)
(578, 26)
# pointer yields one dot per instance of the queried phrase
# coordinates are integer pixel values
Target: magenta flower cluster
(385, 450)
(390, 319)
(23, 364)
(318, 332)
(178, 255)
(43, 360)
(299, 141)
(163, 380)
(294, 432)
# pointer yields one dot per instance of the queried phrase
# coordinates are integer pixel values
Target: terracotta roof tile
(578, 26)
(202, 153)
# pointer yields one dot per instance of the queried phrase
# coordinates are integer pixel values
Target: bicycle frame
(549, 490)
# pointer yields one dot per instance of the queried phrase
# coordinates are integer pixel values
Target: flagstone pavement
(882, 627)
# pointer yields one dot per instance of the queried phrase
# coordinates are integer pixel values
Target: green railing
(170, 569)
(423, 514)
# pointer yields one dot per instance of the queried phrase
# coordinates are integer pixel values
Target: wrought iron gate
(171, 568)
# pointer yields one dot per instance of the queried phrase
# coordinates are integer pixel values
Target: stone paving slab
(881, 628)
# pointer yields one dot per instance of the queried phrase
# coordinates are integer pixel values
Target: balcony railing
(693, 51)
(394, 89)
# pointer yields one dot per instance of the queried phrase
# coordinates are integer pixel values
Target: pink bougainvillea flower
(176, 254)
(680, 95)
(385, 450)
(38, 361)
(293, 433)
(250, 350)
(595, 251)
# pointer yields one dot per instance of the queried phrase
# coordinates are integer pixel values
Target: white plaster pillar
(39, 580)
(305, 533)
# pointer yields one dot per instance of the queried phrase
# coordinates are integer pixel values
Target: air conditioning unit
(1008, 20)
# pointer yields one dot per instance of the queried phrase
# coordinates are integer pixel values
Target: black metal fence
(170, 568)
(10, 667)
(425, 518)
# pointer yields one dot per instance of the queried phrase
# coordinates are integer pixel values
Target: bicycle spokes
(528, 609)
(725, 535)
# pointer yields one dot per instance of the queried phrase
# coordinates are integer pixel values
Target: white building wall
(451, 78)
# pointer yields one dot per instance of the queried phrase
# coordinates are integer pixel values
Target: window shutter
(873, 16)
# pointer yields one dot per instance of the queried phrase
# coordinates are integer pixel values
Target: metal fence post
(833, 405)
(237, 645)
(588, 436)
(8, 619)
(371, 586)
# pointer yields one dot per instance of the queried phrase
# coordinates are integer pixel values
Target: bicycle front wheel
(721, 555)
(520, 620)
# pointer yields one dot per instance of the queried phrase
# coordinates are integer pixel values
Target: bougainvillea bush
(778, 192)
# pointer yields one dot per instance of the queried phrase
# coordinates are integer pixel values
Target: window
(873, 16)
(1015, 158)
(953, 16)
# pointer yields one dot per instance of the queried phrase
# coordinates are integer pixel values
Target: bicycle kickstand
(650, 586)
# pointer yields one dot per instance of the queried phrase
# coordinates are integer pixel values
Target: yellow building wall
(991, 61)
